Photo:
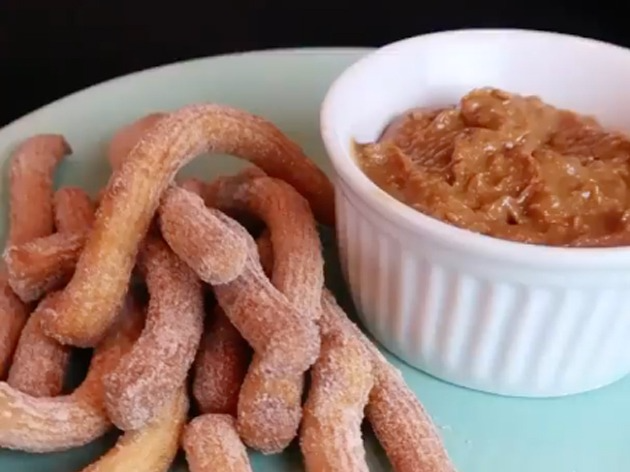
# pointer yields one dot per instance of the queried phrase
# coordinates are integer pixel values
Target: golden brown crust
(87, 306)
(13, 315)
(31, 186)
(341, 381)
(149, 375)
(401, 424)
(60, 423)
(74, 210)
(152, 448)
(270, 407)
(220, 367)
(39, 363)
(212, 445)
(43, 264)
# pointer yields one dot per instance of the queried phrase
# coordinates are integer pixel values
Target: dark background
(53, 47)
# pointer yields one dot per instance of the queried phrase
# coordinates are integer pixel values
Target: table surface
(49, 49)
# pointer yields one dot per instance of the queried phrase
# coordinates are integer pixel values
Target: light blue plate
(484, 433)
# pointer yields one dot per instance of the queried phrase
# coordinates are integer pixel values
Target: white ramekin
(484, 313)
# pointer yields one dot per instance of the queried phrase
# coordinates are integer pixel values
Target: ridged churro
(47, 263)
(150, 374)
(31, 187)
(39, 363)
(401, 424)
(13, 315)
(74, 210)
(220, 367)
(270, 406)
(32, 169)
(213, 445)
(263, 315)
(43, 264)
(60, 423)
(227, 258)
(151, 448)
(87, 306)
(341, 381)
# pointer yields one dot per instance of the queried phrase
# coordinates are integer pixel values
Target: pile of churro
(204, 305)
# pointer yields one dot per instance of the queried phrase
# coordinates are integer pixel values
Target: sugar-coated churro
(31, 187)
(150, 374)
(213, 445)
(60, 423)
(87, 306)
(151, 448)
(341, 381)
(39, 363)
(43, 264)
(74, 210)
(399, 420)
(13, 315)
(227, 258)
(270, 409)
(220, 366)
(263, 315)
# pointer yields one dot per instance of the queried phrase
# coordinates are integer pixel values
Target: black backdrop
(50, 48)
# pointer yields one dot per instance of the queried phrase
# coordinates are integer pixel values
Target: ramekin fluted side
(509, 331)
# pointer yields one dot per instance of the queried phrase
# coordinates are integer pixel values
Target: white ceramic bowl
(488, 314)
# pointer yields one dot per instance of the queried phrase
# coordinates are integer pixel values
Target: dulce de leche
(508, 166)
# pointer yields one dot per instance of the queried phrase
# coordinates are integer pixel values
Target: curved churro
(341, 381)
(31, 216)
(264, 317)
(401, 424)
(64, 422)
(227, 258)
(87, 306)
(150, 374)
(48, 262)
(43, 264)
(270, 407)
(220, 366)
(152, 448)
(74, 210)
(31, 187)
(13, 315)
(213, 445)
(39, 363)
(126, 138)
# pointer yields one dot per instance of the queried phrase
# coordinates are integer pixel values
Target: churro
(151, 448)
(60, 423)
(13, 315)
(74, 210)
(270, 409)
(227, 258)
(401, 424)
(341, 381)
(150, 374)
(220, 366)
(87, 306)
(263, 315)
(213, 445)
(31, 187)
(43, 264)
(39, 363)
(47, 263)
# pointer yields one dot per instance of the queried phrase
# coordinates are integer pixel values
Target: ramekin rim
(417, 223)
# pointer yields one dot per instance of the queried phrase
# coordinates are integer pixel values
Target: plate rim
(157, 69)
